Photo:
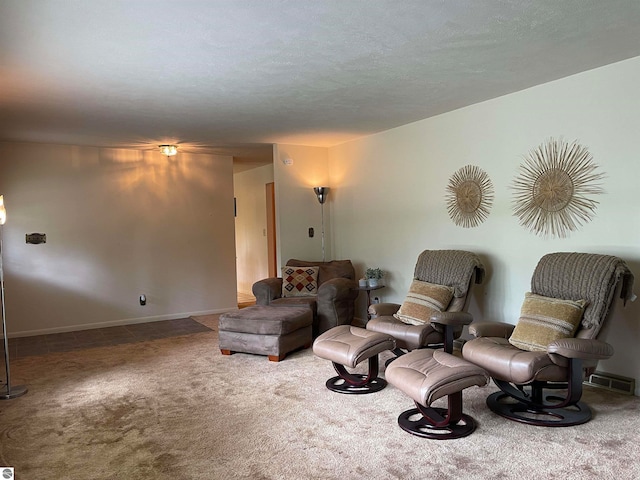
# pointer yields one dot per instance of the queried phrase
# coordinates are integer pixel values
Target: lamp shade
(321, 193)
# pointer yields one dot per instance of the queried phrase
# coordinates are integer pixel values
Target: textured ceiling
(221, 74)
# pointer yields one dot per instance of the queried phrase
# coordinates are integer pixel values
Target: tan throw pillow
(422, 301)
(543, 320)
(299, 281)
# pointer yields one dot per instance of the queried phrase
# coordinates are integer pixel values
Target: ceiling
(234, 76)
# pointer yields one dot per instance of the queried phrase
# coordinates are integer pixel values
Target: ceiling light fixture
(168, 150)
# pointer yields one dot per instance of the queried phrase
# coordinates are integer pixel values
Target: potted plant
(373, 276)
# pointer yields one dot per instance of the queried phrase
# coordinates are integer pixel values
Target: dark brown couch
(337, 292)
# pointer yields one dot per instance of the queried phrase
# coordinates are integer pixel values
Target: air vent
(612, 382)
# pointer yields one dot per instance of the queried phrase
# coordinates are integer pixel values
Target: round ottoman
(427, 375)
(347, 346)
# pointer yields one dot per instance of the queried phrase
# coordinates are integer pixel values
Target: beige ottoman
(265, 330)
(347, 346)
(427, 375)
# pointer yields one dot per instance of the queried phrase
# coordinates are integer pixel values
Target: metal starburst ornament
(552, 192)
(469, 196)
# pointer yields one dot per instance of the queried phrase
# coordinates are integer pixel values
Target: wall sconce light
(322, 193)
(168, 150)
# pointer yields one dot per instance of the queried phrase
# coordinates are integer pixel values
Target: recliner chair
(540, 378)
(334, 303)
(457, 269)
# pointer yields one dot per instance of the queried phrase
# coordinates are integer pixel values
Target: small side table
(368, 290)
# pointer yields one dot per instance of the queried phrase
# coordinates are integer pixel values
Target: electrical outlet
(143, 299)
(376, 299)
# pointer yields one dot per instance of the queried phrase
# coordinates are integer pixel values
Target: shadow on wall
(51, 312)
(119, 223)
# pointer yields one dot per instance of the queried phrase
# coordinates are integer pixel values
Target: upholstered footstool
(265, 330)
(347, 346)
(425, 376)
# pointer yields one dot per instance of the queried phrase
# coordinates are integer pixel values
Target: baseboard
(116, 323)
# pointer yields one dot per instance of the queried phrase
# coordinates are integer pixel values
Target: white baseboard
(116, 323)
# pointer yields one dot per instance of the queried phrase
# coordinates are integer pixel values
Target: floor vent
(612, 382)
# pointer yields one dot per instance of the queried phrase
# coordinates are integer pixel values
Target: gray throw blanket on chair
(583, 276)
(449, 267)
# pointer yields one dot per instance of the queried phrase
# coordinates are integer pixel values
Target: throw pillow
(299, 281)
(544, 319)
(422, 301)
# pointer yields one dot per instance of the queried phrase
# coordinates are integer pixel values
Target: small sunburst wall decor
(553, 189)
(469, 196)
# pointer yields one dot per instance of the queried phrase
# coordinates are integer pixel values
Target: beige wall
(119, 223)
(389, 190)
(251, 224)
(297, 207)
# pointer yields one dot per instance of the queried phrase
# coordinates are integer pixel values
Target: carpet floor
(175, 408)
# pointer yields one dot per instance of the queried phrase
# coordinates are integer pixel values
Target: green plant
(374, 273)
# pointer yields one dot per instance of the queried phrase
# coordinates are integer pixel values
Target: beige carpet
(175, 408)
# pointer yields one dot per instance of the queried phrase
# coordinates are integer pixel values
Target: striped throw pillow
(422, 301)
(543, 320)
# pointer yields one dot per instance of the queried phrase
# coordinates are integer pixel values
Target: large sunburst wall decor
(553, 189)
(469, 196)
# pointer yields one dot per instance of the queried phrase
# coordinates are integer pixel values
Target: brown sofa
(337, 292)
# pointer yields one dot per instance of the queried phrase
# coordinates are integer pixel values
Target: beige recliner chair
(539, 363)
(334, 303)
(455, 269)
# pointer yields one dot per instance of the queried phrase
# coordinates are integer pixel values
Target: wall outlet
(143, 299)
(376, 300)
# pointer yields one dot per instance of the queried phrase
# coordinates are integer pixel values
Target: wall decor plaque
(554, 188)
(469, 196)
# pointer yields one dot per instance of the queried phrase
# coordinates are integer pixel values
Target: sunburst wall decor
(469, 196)
(553, 188)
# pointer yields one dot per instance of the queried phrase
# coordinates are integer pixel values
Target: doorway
(255, 229)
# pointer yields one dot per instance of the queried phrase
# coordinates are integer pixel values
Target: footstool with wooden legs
(427, 375)
(265, 330)
(347, 346)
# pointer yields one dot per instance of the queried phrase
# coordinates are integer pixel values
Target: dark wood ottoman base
(347, 346)
(265, 330)
(426, 375)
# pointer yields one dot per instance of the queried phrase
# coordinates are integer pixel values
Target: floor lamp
(7, 392)
(321, 193)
